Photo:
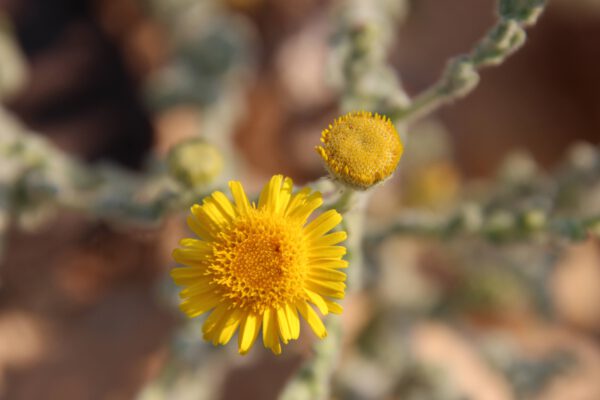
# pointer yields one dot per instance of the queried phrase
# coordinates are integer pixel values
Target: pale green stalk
(499, 225)
(313, 380)
(49, 180)
(461, 75)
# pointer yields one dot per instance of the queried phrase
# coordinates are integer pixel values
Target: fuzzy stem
(504, 226)
(461, 74)
(312, 381)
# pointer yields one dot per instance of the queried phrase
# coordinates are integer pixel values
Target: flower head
(261, 264)
(361, 149)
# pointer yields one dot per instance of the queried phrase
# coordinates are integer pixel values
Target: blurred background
(85, 312)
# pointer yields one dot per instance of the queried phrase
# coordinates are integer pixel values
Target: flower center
(361, 149)
(260, 262)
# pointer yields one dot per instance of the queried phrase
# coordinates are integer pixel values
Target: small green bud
(503, 40)
(460, 77)
(195, 162)
(526, 12)
(534, 220)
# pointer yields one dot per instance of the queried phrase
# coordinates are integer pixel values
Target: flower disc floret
(259, 266)
(361, 149)
(261, 262)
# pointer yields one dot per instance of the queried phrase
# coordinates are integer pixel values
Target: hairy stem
(461, 75)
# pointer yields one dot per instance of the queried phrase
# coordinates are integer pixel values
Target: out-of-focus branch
(461, 74)
(359, 67)
(312, 381)
(499, 225)
(522, 204)
(38, 179)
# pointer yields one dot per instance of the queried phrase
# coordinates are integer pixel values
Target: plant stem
(461, 74)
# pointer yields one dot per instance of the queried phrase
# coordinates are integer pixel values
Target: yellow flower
(261, 265)
(361, 149)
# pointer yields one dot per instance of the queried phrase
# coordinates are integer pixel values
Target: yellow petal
(200, 230)
(322, 224)
(317, 300)
(326, 288)
(224, 205)
(276, 348)
(293, 320)
(196, 244)
(187, 280)
(282, 322)
(210, 218)
(301, 212)
(187, 272)
(239, 197)
(269, 196)
(271, 331)
(326, 274)
(340, 286)
(327, 252)
(228, 326)
(199, 287)
(313, 319)
(198, 305)
(330, 239)
(190, 256)
(296, 201)
(285, 195)
(335, 264)
(213, 321)
(334, 308)
(248, 332)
